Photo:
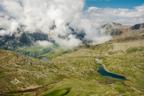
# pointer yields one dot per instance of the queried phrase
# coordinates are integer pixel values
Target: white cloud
(39, 14)
(121, 15)
(69, 43)
(44, 43)
(42, 14)
(3, 32)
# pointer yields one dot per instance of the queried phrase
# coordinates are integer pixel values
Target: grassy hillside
(18, 72)
(79, 69)
(75, 72)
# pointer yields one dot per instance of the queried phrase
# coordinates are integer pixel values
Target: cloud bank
(120, 15)
(61, 20)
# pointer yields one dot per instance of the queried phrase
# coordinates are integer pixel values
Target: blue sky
(113, 3)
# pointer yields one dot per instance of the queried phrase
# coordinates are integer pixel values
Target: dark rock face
(116, 32)
(29, 38)
(39, 36)
(25, 39)
(9, 42)
(116, 29)
(137, 26)
(112, 29)
(22, 38)
(79, 34)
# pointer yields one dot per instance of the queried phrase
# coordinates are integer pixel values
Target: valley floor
(75, 73)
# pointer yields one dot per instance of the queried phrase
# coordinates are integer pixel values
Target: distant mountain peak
(138, 26)
(112, 25)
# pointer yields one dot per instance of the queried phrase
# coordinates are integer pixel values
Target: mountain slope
(18, 72)
(28, 43)
(76, 71)
(127, 60)
(138, 26)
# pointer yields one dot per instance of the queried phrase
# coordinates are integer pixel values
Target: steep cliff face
(113, 28)
(121, 32)
(138, 26)
(118, 29)
(13, 41)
